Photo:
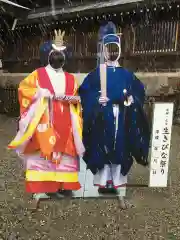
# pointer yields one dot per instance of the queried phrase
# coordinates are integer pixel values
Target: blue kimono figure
(115, 128)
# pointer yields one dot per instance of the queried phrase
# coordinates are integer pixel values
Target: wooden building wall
(150, 41)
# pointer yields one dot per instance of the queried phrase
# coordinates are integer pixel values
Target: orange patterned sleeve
(27, 90)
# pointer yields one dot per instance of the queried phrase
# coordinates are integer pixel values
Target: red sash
(61, 114)
(44, 81)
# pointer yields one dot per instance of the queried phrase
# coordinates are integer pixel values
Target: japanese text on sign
(161, 138)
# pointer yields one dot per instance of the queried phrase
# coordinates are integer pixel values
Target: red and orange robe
(50, 135)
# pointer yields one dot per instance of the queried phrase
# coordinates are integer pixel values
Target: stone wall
(155, 83)
(163, 86)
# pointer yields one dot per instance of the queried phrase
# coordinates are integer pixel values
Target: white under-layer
(57, 79)
(111, 173)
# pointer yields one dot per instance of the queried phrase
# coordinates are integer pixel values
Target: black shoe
(107, 191)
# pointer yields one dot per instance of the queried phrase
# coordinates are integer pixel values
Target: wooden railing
(156, 38)
(79, 45)
(161, 37)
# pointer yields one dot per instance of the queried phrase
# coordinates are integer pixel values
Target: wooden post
(103, 81)
(177, 35)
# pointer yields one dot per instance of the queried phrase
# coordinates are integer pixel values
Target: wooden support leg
(170, 185)
(64, 193)
(124, 203)
(37, 197)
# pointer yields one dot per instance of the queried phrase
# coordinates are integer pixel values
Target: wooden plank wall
(157, 39)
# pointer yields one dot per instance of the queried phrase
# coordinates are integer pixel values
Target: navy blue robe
(133, 135)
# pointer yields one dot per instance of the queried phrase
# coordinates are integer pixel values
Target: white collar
(112, 64)
(55, 70)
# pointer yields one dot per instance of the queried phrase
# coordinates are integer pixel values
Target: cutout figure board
(159, 156)
(88, 190)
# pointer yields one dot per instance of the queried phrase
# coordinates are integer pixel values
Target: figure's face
(112, 52)
(57, 59)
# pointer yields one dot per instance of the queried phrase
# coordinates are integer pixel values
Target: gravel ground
(156, 215)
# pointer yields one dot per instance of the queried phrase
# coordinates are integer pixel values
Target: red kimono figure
(50, 132)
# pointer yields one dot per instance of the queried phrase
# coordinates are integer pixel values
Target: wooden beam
(9, 10)
(47, 12)
(14, 4)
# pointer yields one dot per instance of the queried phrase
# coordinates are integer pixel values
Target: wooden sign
(161, 139)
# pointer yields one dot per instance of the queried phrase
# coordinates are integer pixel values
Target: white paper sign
(161, 140)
